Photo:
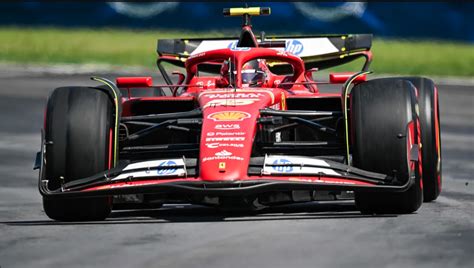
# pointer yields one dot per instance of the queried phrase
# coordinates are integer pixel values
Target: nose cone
(229, 127)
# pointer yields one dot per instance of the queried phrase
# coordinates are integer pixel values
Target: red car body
(210, 138)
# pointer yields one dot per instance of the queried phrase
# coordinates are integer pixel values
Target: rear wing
(321, 51)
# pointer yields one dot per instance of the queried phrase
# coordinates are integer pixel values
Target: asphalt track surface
(440, 234)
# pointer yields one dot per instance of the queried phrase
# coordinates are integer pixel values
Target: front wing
(265, 174)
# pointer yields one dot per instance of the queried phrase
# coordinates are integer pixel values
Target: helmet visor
(252, 77)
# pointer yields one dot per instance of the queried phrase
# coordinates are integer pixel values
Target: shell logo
(229, 116)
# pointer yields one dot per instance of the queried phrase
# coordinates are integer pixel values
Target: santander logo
(223, 153)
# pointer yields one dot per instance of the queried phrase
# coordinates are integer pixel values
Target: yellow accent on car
(116, 128)
(253, 11)
(346, 90)
(283, 101)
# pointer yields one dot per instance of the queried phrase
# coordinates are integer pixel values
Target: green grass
(137, 48)
(423, 57)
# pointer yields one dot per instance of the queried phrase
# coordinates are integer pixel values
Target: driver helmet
(254, 73)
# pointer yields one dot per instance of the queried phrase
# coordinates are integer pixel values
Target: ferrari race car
(245, 126)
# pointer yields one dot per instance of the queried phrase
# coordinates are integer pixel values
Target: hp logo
(294, 46)
(285, 165)
(163, 171)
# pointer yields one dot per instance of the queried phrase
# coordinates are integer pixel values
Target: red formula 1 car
(245, 126)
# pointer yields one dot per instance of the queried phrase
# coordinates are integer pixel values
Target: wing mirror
(341, 78)
(181, 78)
(309, 73)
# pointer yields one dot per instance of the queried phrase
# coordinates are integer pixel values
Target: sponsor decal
(229, 116)
(218, 144)
(240, 49)
(282, 53)
(172, 167)
(212, 134)
(230, 133)
(309, 47)
(233, 46)
(232, 157)
(227, 126)
(299, 165)
(231, 99)
(197, 55)
(234, 95)
(221, 166)
(230, 102)
(207, 45)
(226, 139)
(154, 163)
(210, 83)
(223, 153)
(225, 93)
(294, 46)
(167, 171)
(284, 165)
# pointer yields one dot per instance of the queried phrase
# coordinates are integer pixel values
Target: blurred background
(45, 45)
(435, 37)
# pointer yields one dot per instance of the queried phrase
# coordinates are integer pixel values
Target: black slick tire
(384, 125)
(430, 136)
(78, 126)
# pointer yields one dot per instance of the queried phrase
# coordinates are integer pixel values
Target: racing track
(440, 234)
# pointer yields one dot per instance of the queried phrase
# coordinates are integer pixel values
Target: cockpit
(242, 69)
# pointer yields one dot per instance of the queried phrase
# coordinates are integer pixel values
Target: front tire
(430, 136)
(78, 127)
(385, 125)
